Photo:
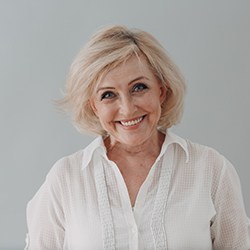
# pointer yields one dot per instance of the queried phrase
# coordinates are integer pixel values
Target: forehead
(135, 66)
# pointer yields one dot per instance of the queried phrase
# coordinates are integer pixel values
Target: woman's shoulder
(67, 165)
(211, 166)
(73, 164)
(204, 156)
(198, 150)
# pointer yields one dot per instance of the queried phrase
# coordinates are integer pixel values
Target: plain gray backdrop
(208, 40)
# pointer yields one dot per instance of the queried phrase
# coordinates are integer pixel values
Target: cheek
(154, 108)
(153, 104)
(105, 113)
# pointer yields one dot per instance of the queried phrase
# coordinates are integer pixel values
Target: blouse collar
(98, 145)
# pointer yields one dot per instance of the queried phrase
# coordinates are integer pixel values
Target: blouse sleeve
(45, 217)
(230, 227)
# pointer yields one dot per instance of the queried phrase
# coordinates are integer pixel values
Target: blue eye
(139, 87)
(107, 95)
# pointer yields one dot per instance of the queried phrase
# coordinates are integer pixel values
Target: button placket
(157, 223)
(127, 209)
(104, 206)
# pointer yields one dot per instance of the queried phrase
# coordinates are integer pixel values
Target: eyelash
(138, 87)
(104, 95)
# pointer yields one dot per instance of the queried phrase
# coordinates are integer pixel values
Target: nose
(127, 106)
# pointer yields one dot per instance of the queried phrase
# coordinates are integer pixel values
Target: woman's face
(128, 101)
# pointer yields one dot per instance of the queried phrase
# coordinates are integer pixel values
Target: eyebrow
(137, 79)
(134, 80)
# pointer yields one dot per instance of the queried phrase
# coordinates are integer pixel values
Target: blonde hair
(107, 49)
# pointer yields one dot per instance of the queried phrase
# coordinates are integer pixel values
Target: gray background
(209, 41)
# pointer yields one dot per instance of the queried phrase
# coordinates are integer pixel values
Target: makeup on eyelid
(137, 88)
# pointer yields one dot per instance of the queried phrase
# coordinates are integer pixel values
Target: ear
(163, 93)
(93, 107)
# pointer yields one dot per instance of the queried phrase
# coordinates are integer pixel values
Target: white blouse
(190, 200)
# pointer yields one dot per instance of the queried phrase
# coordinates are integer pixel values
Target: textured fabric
(191, 199)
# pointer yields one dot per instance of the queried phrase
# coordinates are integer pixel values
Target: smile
(132, 122)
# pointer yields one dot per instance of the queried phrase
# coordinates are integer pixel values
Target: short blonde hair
(107, 49)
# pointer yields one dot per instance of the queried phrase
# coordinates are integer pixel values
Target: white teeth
(131, 123)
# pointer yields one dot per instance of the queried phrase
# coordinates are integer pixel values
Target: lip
(133, 119)
(139, 119)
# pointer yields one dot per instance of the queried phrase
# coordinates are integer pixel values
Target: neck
(151, 147)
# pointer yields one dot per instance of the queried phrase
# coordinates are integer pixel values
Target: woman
(137, 185)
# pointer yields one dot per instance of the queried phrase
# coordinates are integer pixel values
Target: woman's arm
(230, 227)
(45, 217)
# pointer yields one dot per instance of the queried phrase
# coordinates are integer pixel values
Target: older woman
(137, 185)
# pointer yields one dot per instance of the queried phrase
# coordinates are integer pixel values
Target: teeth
(131, 123)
